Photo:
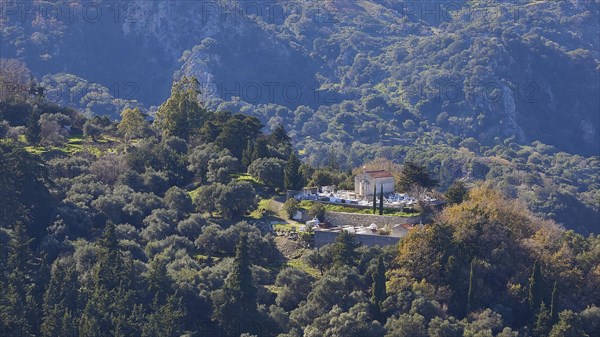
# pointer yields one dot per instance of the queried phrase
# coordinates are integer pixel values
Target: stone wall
(354, 219)
(324, 237)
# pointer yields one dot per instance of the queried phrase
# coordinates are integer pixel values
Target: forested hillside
(505, 91)
(140, 228)
(476, 69)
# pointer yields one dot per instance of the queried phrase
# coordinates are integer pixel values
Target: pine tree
(344, 253)
(379, 292)
(132, 123)
(279, 137)
(165, 320)
(158, 279)
(109, 298)
(374, 199)
(236, 303)
(535, 289)
(260, 149)
(60, 303)
(381, 200)
(543, 322)
(109, 268)
(182, 114)
(33, 127)
(20, 305)
(293, 177)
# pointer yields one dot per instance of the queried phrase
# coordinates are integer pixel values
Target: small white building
(313, 223)
(364, 183)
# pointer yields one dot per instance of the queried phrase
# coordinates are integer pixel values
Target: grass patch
(301, 265)
(39, 150)
(305, 204)
(73, 145)
(248, 178)
(194, 193)
(264, 206)
(285, 227)
(273, 289)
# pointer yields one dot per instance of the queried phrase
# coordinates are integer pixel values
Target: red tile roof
(379, 174)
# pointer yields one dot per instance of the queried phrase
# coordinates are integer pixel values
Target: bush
(316, 210)
(290, 207)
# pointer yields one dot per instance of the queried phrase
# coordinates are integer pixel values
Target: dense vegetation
(120, 218)
(135, 228)
(499, 90)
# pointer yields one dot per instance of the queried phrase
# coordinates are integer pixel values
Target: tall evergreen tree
(543, 322)
(19, 303)
(109, 296)
(471, 293)
(293, 177)
(165, 320)
(61, 303)
(536, 289)
(182, 114)
(381, 200)
(260, 148)
(379, 293)
(236, 304)
(109, 268)
(158, 279)
(279, 137)
(344, 252)
(132, 123)
(553, 309)
(248, 153)
(374, 199)
(33, 126)
(415, 175)
(24, 196)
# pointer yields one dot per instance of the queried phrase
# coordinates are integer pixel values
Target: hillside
(473, 70)
(148, 150)
(354, 81)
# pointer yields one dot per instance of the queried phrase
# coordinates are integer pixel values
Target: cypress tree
(293, 178)
(553, 310)
(374, 199)
(33, 127)
(471, 294)
(260, 149)
(247, 154)
(379, 292)
(535, 288)
(381, 200)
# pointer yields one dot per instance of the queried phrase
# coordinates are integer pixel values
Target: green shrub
(290, 207)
